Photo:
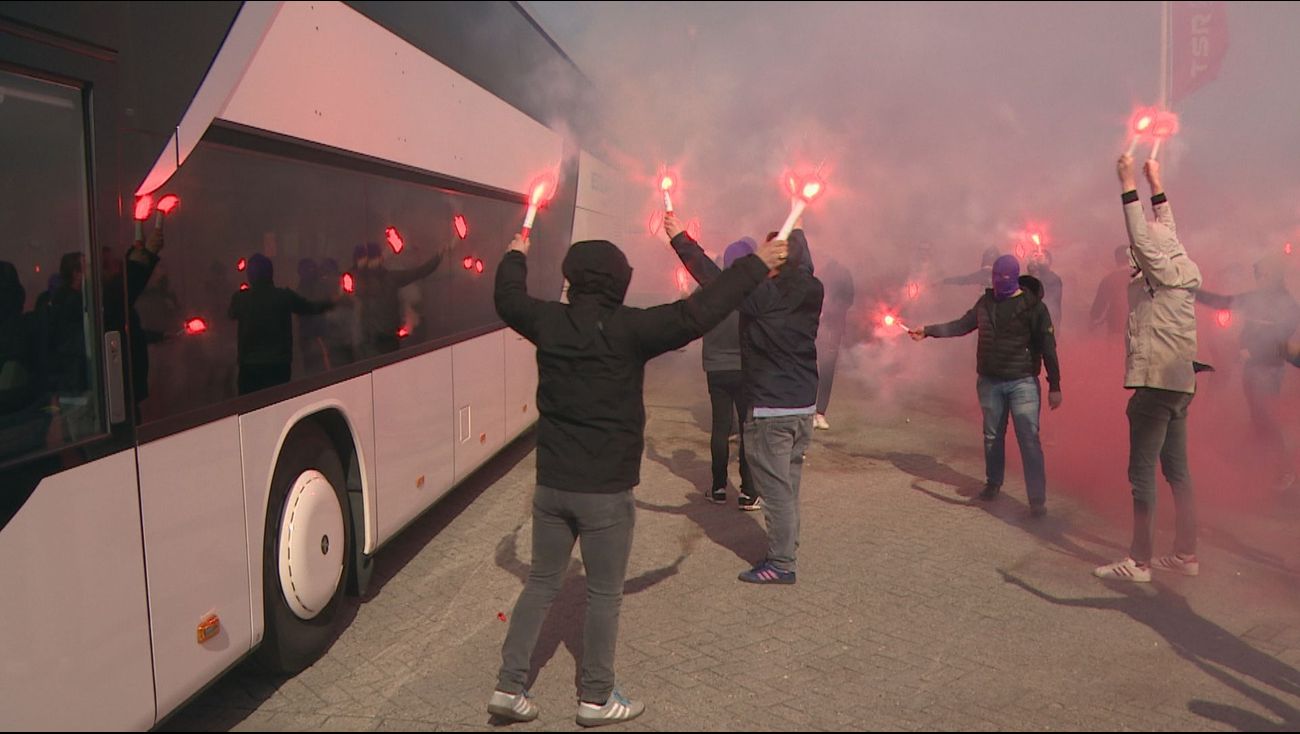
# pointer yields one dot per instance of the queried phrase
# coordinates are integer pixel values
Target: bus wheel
(306, 547)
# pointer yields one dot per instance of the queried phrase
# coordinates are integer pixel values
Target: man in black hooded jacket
(591, 355)
(778, 354)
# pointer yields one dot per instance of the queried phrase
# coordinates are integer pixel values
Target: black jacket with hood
(778, 325)
(591, 355)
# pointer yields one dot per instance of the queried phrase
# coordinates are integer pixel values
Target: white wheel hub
(311, 544)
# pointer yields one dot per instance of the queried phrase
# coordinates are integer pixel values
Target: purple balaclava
(1006, 277)
(736, 250)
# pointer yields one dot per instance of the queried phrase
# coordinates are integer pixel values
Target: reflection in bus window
(49, 384)
(315, 225)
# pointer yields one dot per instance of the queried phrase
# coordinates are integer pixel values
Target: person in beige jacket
(1161, 347)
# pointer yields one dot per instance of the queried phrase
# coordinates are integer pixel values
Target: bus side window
(50, 378)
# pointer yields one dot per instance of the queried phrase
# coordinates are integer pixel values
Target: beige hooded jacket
(1161, 302)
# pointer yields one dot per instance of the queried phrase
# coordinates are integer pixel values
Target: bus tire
(307, 546)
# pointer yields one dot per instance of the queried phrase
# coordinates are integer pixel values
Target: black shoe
(990, 492)
(749, 502)
(1037, 511)
(717, 495)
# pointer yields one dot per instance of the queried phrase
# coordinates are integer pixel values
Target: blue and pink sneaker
(766, 573)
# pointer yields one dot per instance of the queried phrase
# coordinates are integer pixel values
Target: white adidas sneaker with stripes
(513, 706)
(617, 708)
(1125, 570)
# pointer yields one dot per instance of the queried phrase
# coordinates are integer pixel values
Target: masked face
(1006, 277)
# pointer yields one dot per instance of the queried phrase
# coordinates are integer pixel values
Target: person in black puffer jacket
(1015, 339)
(591, 356)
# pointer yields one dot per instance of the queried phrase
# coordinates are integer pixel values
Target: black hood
(597, 270)
(800, 259)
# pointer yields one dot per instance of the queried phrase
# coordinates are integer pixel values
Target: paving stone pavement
(915, 609)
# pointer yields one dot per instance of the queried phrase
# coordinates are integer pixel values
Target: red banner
(1200, 41)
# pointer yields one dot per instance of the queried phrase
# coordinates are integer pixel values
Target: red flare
(168, 203)
(1142, 120)
(195, 326)
(143, 205)
(1223, 318)
(461, 225)
(543, 189)
(468, 262)
(243, 286)
(478, 266)
(666, 182)
(1286, 249)
(395, 240)
(811, 189)
(403, 332)
(349, 283)
(242, 265)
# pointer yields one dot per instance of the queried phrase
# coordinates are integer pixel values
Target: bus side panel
(75, 631)
(329, 74)
(478, 367)
(521, 384)
(414, 447)
(192, 495)
(262, 434)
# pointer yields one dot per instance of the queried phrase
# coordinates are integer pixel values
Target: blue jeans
(1022, 400)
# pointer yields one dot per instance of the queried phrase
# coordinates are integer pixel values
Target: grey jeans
(1157, 425)
(603, 524)
(775, 447)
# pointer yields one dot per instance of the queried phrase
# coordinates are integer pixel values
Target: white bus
(163, 514)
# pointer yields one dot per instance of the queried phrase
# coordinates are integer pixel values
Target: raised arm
(697, 263)
(510, 295)
(676, 324)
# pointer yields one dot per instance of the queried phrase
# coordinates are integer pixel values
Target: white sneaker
(617, 708)
(1125, 570)
(513, 706)
(1186, 565)
(819, 422)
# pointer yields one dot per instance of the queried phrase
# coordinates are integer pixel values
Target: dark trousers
(726, 393)
(826, 359)
(1157, 424)
(254, 377)
(603, 524)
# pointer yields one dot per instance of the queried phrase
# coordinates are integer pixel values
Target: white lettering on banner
(1200, 43)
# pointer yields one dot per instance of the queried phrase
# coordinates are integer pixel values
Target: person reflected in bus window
(63, 333)
(311, 328)
(22, 421)
(337, 330)
(52, 285)
(124, 282)
(265, 334)
(377, 297)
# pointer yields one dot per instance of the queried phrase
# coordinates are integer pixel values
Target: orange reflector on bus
(210, 627)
